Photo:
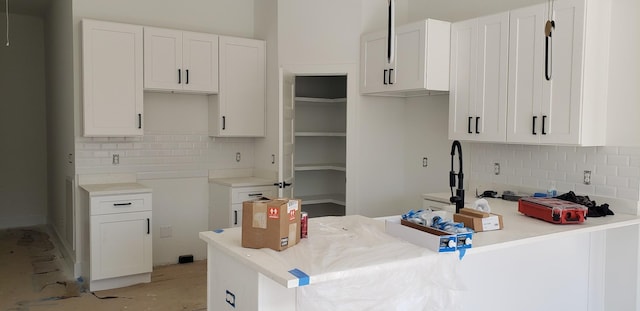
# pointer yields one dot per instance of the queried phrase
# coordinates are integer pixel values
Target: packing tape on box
(482, 205)
(303, 278)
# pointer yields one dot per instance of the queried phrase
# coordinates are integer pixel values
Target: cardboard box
(271, 223)
(431, 238)
(478, 221)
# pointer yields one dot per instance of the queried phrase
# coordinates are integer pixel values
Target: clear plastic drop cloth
(354, 265)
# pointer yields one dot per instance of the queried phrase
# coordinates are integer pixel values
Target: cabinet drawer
(239, 195)
(120, 204)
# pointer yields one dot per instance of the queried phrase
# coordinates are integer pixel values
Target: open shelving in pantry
(320, 144)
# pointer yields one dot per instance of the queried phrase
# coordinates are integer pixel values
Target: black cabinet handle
(148, 226)
(224, 122)
(187, 71)
(235, 217)
(477, 119)
(390, 76)
(469, 125)
(139, 120)
(255, 194)
(179, 76)
(533, 129)
(544, 119)
(122, 204)
(384, 77)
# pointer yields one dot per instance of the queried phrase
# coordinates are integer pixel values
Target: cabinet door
(490, 120)
(408, 72)
(112, 79)
(373, 63)
(242, 87)
(163, 59)
(120, 244)
(200, 59)
(526, 72)
(462, 86)
(561, 102)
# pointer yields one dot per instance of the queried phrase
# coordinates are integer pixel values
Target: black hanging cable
(549, 26)
(6, 2)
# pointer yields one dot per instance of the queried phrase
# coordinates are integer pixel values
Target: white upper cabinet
(420, 65)
(112, 79)
(558, 85)
(239, 109)
(478, 82)
(526, 72)
(180, 61)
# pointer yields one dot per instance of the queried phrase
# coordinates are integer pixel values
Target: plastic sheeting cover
(354, 265)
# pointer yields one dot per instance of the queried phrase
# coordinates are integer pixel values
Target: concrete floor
(32, 278)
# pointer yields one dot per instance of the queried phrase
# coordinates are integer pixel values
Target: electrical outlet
(496, 168)
(237, 156)
(116, 159)
(587, 178)
(424, 162)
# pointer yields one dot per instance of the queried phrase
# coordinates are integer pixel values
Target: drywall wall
(60, 122)
(267, 149)
(454, 11)
(624, 74)
(426, 121)
(23, 160)
(180, 211)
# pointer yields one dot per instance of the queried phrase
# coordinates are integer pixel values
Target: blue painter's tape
(218, 230)
(303, 278)
(462, 252)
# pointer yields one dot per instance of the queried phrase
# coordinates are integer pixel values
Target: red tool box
(553, 210)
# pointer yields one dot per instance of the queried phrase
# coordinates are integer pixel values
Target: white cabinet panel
(374, 67)
(225, 203)
(117, 226)
(120, 245)
(564, 102)
(420, 65)
(200, 61)
(180, 61)
(239, 109)
(112, 79)
(478, 94)
(526, 71)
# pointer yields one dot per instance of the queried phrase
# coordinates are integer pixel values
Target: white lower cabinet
(120, 244)
(119, 248)
(225, 203)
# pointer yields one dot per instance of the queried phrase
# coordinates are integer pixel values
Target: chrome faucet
(457, 199)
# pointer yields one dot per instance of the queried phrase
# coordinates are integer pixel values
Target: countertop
(243, 181)
(337, 247)
(520, 229)
(115, 188)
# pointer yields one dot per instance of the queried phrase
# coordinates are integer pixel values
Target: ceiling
(26, 7)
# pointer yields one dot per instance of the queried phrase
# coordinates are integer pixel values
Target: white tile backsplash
(615, 171)
(157, 152)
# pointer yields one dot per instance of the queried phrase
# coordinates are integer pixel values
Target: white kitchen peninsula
(529, 265)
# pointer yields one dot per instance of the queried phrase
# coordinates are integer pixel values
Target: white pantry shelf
(335, 198)
(320, 100)
(321, 134)
(321, 166)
